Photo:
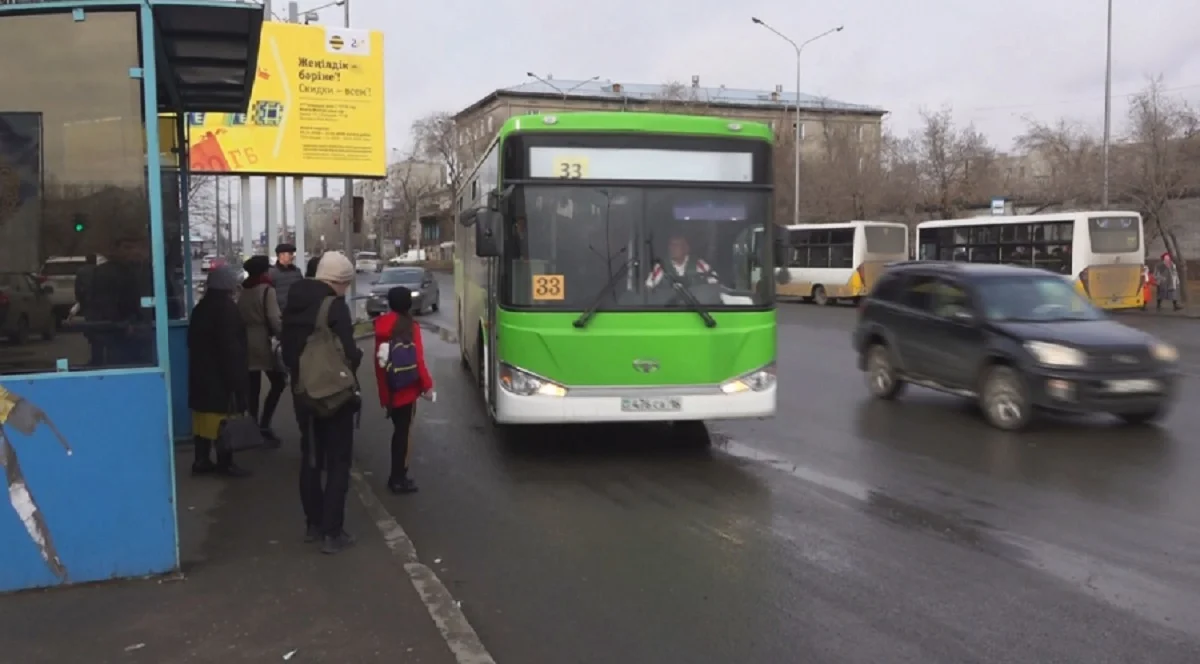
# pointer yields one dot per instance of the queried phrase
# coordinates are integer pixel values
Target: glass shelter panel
(75, 248)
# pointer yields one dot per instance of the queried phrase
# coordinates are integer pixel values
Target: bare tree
(676, 97)
(957, 166)
(438, 139)
(845, 179)
(413, 185)
(1065, 160)
(1160, 163)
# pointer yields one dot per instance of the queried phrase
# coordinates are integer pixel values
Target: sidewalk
(1187, 312)
(250, 589)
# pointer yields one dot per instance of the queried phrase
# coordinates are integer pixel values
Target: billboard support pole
(272, 213)
(283, 209)
(348, 195)
(301, 231)
(247, 214)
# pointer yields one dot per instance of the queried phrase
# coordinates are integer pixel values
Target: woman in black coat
(218, 370)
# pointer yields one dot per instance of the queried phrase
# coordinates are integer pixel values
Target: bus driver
(689, 270)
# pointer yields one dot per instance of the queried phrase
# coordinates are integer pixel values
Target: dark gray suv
(1014, 338)
(419, 280)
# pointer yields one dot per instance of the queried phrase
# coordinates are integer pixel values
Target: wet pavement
(841, 530)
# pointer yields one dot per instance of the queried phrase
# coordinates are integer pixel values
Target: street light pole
(799, 48)
(1107, 105)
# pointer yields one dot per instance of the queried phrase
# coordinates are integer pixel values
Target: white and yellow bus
(1102, 252)
(826, 262)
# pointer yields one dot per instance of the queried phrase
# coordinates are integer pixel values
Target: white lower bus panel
(636, 404)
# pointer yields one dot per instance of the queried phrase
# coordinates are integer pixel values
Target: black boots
(203, 465)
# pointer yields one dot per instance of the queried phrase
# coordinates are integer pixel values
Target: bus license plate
(654, 405)
(1133, 386)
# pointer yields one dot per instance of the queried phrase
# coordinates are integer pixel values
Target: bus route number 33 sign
(549, 287)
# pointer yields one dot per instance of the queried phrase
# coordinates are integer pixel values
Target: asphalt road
(841, 530)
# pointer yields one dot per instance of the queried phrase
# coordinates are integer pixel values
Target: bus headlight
(522, 383)
(754, 381)
(1164, 352)
(1055, 355)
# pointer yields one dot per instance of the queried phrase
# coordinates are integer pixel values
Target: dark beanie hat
(310, 270)
(400, 299)
(257, 265)
(285, 248)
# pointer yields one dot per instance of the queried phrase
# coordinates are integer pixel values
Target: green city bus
(607, 268)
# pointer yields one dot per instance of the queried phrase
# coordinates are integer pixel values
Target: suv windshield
(571, 246)
(1033, 299)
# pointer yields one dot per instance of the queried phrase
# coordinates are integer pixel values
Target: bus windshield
(1114, 235)
(570, 247)
(886, 240)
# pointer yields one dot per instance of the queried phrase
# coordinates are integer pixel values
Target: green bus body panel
(638, 122)
(603, 353)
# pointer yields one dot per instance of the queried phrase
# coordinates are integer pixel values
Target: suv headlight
(1056, 355)
(1164, 352)
(754, 381)
(525, 384)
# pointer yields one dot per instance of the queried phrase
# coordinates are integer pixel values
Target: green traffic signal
(78, 228)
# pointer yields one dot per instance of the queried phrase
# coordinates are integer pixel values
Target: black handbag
(238, 432)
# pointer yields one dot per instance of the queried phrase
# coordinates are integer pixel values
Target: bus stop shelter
(95, 272)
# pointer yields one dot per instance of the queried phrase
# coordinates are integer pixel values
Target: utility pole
(217, 207)
(1107, 105)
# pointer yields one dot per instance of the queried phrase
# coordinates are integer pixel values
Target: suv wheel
(882, 380)
(1004, 401)
(819, 296)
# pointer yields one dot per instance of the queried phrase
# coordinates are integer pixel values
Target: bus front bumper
(636, 405)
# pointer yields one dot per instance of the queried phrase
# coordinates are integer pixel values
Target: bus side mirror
(489, 236)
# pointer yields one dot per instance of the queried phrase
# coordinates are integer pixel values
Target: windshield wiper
(679, 286)
(590, 311)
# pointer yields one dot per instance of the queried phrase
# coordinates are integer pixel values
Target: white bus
(827, 262)
(1101, 252)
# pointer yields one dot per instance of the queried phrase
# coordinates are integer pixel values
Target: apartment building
(821, 118)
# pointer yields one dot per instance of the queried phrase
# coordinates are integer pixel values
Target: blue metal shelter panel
(87, 471)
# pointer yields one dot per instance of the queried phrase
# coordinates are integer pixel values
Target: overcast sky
(993, 62)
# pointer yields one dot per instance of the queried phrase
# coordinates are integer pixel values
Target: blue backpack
(401, 367)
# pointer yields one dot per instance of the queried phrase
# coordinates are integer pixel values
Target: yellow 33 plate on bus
(549, 287)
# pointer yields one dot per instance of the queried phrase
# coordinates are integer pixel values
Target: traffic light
(80, 223)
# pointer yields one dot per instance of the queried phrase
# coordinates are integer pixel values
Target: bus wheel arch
(819, 295)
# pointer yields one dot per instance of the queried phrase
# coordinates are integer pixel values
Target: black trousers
(278, 382)
(326, 445)
(402, 420)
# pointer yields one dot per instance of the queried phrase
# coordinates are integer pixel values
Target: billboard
(317, 109)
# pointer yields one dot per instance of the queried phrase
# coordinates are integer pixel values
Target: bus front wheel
(819, 296)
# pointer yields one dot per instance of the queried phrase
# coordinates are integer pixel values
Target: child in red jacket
(402, 377)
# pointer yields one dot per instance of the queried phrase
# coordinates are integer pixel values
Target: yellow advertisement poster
(317, 109)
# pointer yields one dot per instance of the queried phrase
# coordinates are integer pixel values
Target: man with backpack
(317, 344)
(402, 377)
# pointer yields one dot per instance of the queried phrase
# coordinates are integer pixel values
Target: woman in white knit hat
(327, 442)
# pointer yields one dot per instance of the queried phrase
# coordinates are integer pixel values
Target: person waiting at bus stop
(687, 269)
(329, 444)
(402, 377)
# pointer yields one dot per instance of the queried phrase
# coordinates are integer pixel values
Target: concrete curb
(1188, 314)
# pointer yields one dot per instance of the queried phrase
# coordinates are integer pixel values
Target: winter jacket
(263, 320)
(284, 278)
(217, 363)
(300, 316)
(384, 326)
